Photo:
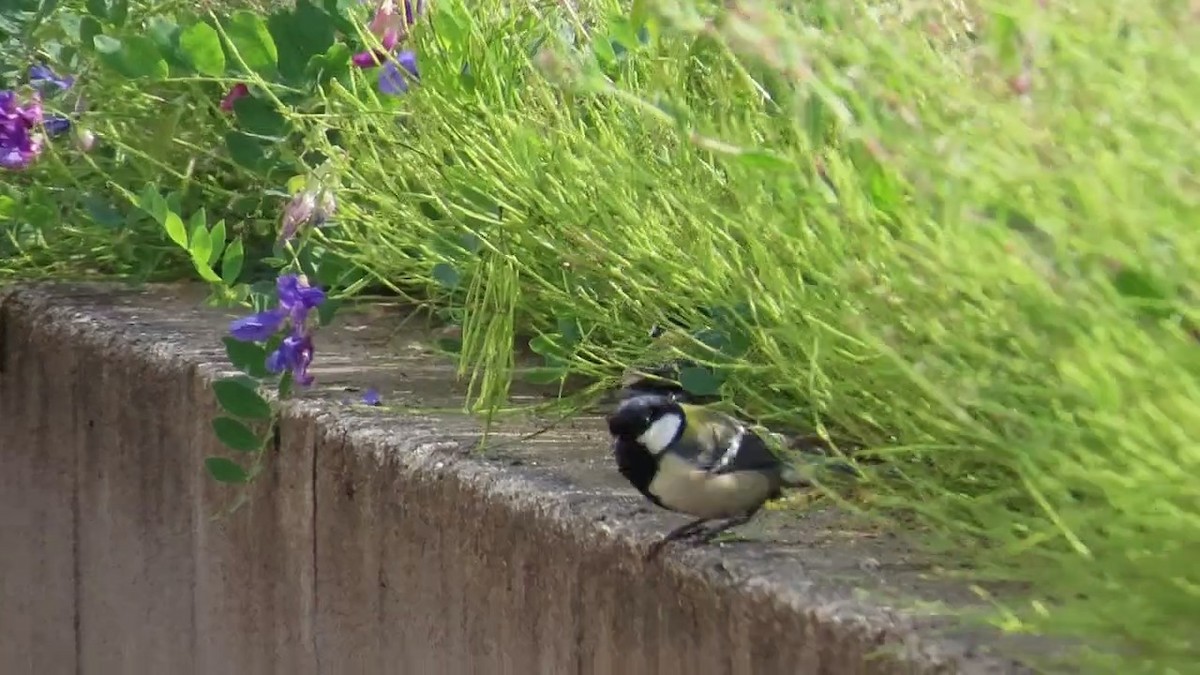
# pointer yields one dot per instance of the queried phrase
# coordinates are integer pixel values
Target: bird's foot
(692, 529)
(720, 532)
(698, 535)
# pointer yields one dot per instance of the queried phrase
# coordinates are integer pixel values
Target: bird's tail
(807, 460)
(811, 470)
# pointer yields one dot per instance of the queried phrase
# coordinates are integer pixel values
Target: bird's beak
(614, 424)
(622, 423)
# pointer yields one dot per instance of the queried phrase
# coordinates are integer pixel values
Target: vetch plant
(274, 342)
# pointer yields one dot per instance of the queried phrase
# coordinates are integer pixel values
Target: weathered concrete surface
(373, 542)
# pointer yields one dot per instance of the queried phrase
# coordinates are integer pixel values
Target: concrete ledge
(375, 543)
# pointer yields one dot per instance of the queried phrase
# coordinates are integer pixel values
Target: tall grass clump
(964, 236)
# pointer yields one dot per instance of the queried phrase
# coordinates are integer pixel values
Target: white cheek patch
(661, 433)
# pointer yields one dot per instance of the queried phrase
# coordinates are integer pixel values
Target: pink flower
(239, 90)
(390, 27)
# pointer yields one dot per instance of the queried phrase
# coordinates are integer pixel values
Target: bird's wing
(745, 452)
(706, 435)
(730, 445)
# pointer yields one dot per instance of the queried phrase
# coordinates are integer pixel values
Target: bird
(697, 461)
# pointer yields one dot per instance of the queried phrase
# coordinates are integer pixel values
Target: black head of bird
(653, 421)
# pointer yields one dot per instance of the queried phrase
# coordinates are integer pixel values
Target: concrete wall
(357, 552)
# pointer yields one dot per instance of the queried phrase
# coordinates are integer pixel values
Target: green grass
(990, 284)
(996, 294)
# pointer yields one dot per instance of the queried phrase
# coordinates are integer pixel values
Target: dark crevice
(4, 319)
(77, 619)
(316, 596)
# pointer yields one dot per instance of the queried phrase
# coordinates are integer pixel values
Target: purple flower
(297, 298)
(371, 397)
(393, 77)
(258, 327)
(295, 353)
(56, 124)
(20, 144)
(47, 81)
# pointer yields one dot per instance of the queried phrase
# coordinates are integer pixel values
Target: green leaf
(89, 30)
(206, 273)
(200, 241)
(107, 45)
(245, 150)
(300, 35)
(149, 200)
(334, 62)
(470, 242)
(446, 275)
(218, 243)
(286, 383)
(481, 211)
(175, 229)
(258, 116)
(45, 7)
(231, 264)
(201, 46)
(603, 50)
(118, 11)
(135, 57)
(449, 345)
(165, 35)
(249, 38)
(1141, 289)
(98, 8)
(102, 212)
(235, 435)
(248, 357)
(225, 470)
(431, 211)
(142, 59)
(241, 400)
(700, 381)
(454, 30)
(544, 345)
(327, 310)
(568, 328)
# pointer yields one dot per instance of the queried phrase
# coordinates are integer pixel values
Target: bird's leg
(676, 534)
(712, 532)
